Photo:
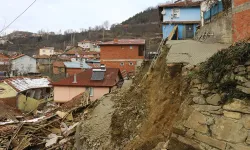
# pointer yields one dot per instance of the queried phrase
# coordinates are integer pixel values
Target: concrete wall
(241, 20)
(186, 14)
(219, 30)
(24, 65)
(99, 92)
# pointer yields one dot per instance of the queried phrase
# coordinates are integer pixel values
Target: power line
(17, 17)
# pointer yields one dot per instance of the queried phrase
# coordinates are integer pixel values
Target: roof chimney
(116, 41)
(75, 80)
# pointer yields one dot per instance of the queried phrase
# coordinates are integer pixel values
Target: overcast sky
(53, 15)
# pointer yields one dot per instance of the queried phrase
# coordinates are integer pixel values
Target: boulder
(234, 115)
(210, 141)
(248, 139)
(206, 107)
(242, 73)
(197, 121)
(199, 100)
(190, 133)
(237, 147)
(196, 81)
(198, 86)
(240, 68)
(241, 79)
(204, 92)
(246, 121)
(248, 69)
(194, 90)
(214, 99)
(229, 130)
(238, 106)
(204, 86)
(243, 89)
(247, 63)
(247, 84)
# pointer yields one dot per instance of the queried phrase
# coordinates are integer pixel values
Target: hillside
(147, 16)
(141, 25)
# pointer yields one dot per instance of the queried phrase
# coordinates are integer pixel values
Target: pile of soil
(145, 114)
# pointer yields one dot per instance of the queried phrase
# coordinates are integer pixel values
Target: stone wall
(217, 31)
(213, 120)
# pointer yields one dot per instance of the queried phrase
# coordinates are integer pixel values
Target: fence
(214, 10)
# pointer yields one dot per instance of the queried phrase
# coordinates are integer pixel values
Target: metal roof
(77, 64)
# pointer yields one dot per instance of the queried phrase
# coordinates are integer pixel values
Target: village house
(22, 64)
(25, 93)
(75, 67)
(180, 19)
(125, 54)
(58, 67)
(88, 45)
(47, 51)
(97, 81)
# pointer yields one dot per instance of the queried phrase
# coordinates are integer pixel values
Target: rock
(242, 73)
(248, 139)
(204, 92)
(214, 99)
(238, 106)
(248, 69)
(209, 121)
(194, 90)
(246, 121)
(190, 133)
(228, 130)
(240, 68)
(159, 146)
(243, 89)
(210, 141)
(179, 129)
(196, 81)
(247, 63)
(241, 79)
(206, 107)
(210, 77)
(204, 86)
(247, 84)
(199, 100)
(198, 86)
(197, 121)
(238, 147)
(234, 115)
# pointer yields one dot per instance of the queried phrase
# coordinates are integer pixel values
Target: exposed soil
(145, 114)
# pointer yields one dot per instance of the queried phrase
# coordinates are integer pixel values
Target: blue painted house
(185, 15)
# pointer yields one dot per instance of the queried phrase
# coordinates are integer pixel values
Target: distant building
(47, 51)
(88, 45)
(185, 15)
(97, 81)
(22, 64)
(76, 67)
(125, 54)
(58, 67)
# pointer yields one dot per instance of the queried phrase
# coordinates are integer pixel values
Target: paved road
(191, 51)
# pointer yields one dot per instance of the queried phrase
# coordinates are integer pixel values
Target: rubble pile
(52, 128)
(215, 115)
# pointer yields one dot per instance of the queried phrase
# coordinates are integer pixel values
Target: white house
(22, 64)
(47, 51)
(85, 44)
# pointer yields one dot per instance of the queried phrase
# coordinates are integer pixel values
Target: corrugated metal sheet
(77, 65)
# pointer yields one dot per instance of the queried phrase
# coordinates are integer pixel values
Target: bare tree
(105, 27)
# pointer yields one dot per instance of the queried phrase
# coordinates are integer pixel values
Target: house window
(91, 91)
(121, 64)
(176, 12)
(131, 47)
(131, 64)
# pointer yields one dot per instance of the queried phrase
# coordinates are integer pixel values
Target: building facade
(47, 51)
(185, 15)
(241, 20)
(98, 82)
(23, 64)
(125, 54)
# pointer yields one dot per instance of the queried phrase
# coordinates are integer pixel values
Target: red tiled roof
(90, 53)
(182, 4)
(58, 64)
(84, 79)
(17, 56)
(125, 42)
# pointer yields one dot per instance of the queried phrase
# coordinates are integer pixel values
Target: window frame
(131, 64)
(122, 64)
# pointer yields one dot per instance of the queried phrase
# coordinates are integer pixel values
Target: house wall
(58, 70)
(85, 45)
(186, 14)
(65, 94)
(7, 91)
(167, 29)
(214, 10)
(48, 52)
(24, 65)
(241, 20)
(120, 52)
(117, 64)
